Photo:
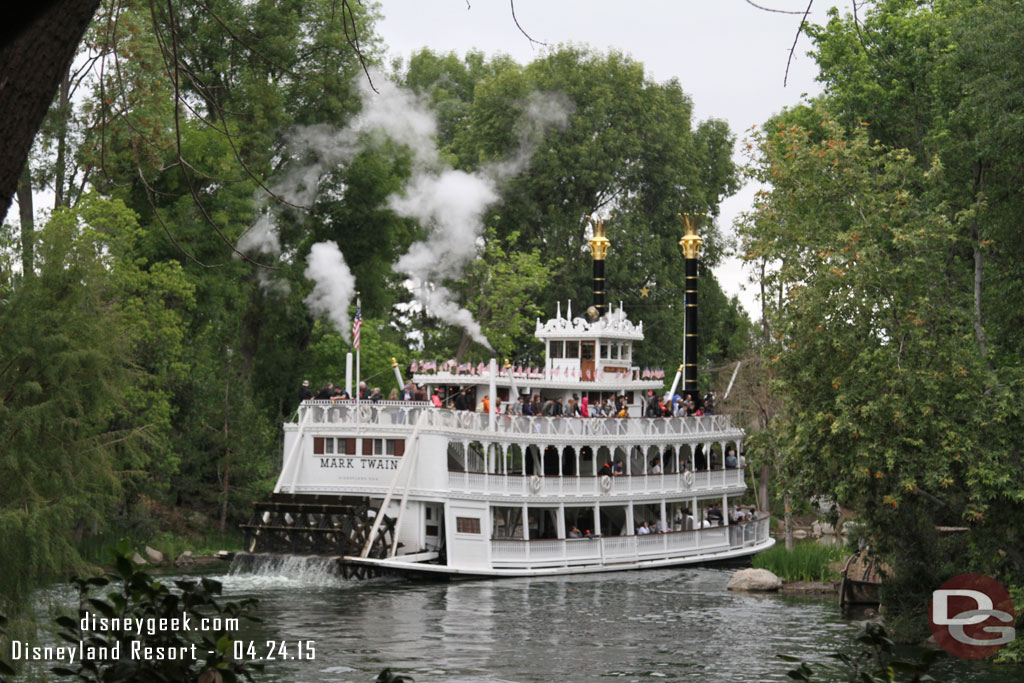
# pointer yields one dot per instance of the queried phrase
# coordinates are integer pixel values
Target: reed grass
(808, 561)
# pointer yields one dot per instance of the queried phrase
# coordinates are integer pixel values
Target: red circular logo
(971, 616)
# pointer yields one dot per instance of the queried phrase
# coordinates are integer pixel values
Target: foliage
(873, 661)
(88, 342)
(807, 561)
(140, 597)
(388, 676)
(892, 272)
(629, 151)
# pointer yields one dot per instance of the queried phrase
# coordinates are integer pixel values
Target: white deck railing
(387, 415)
(553, 485)
(572, 552)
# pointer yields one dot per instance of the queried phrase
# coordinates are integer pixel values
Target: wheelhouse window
(572, 349)
(556, 349)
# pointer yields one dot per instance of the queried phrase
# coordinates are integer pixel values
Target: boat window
(614, 349)
(587, 351)
(556, 349)
(318, 445)
(604, 351)
(625, 352)
(507, 522)
(467, 525)
(329, 446)
(572, 349)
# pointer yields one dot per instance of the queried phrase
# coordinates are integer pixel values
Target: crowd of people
(654, 405)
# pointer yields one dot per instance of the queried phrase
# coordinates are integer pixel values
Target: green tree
(630, 150)
(890, 406)
(87, 347)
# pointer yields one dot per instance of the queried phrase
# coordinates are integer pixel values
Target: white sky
(728, 56)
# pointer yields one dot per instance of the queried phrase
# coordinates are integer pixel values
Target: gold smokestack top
(598, 243)
(691, 241)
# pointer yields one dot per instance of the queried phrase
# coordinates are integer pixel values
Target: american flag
(356, 324)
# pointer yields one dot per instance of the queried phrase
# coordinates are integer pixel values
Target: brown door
(587, 361)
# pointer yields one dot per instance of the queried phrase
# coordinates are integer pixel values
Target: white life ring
(535, 483)
(688, 478)
(606, 483)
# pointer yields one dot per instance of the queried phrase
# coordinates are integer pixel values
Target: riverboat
(407, 486)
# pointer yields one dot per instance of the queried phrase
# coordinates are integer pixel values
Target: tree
(629, 150)
(890, 406)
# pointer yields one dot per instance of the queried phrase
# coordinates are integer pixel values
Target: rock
(754, 580)
(154, 555)
(800, 533)
(185, 559)
(138, 559)
(827, 529)
(816, 529)
(225, 554)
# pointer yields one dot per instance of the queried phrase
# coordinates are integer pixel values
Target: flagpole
(355, 342)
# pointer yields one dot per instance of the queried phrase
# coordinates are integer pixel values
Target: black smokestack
(691, 244)
(599, 249)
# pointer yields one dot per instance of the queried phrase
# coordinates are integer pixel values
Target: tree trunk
(28, 222)
(762, 488)
(226, 477)
(979, 330)
(34, 56)
(60, 167)
(789, 522)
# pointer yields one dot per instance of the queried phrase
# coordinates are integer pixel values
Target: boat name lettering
(363, 463)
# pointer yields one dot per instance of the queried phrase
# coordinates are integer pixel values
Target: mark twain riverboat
(403, 485)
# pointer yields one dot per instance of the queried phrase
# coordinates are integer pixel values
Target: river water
(640, 625)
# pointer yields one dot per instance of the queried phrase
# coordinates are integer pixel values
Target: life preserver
(535, 483)
(606, 482)
(688, 478)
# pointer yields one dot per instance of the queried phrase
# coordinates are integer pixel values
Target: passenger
(606, 408)
(497, 405)
(653, 409)
(460, 400)
(435, 397)
(624, 412)
(536, 407)
(339, 394)
(325, 393)
(655, 466)
(575, 533)
(643, 529)
(584, 407)
(619, 469)
(659, 526)
(419, 394)
(527, 407)
(393, 395)
(606, 470)
(485, 404)
(715, 515)
(376, 396)
(305, 393)
(730, 458)
(559, 407)
(678, 521)
(364, 393)
(683, 465)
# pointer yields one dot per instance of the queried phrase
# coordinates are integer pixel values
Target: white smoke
(334, 284)
(448, 203)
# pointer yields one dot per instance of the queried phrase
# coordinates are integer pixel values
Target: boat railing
(404, 414)
(560, 485)
(553, 552)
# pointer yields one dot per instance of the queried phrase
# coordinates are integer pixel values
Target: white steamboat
(405, 485)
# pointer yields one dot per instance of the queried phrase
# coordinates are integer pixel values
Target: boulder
(138, 559)
(185, 559)
(754, 580)
(800, 533)
(154, 555)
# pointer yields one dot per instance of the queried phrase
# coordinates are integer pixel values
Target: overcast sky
(729, 56)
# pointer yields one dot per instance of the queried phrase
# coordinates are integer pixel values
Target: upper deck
(347, 418)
